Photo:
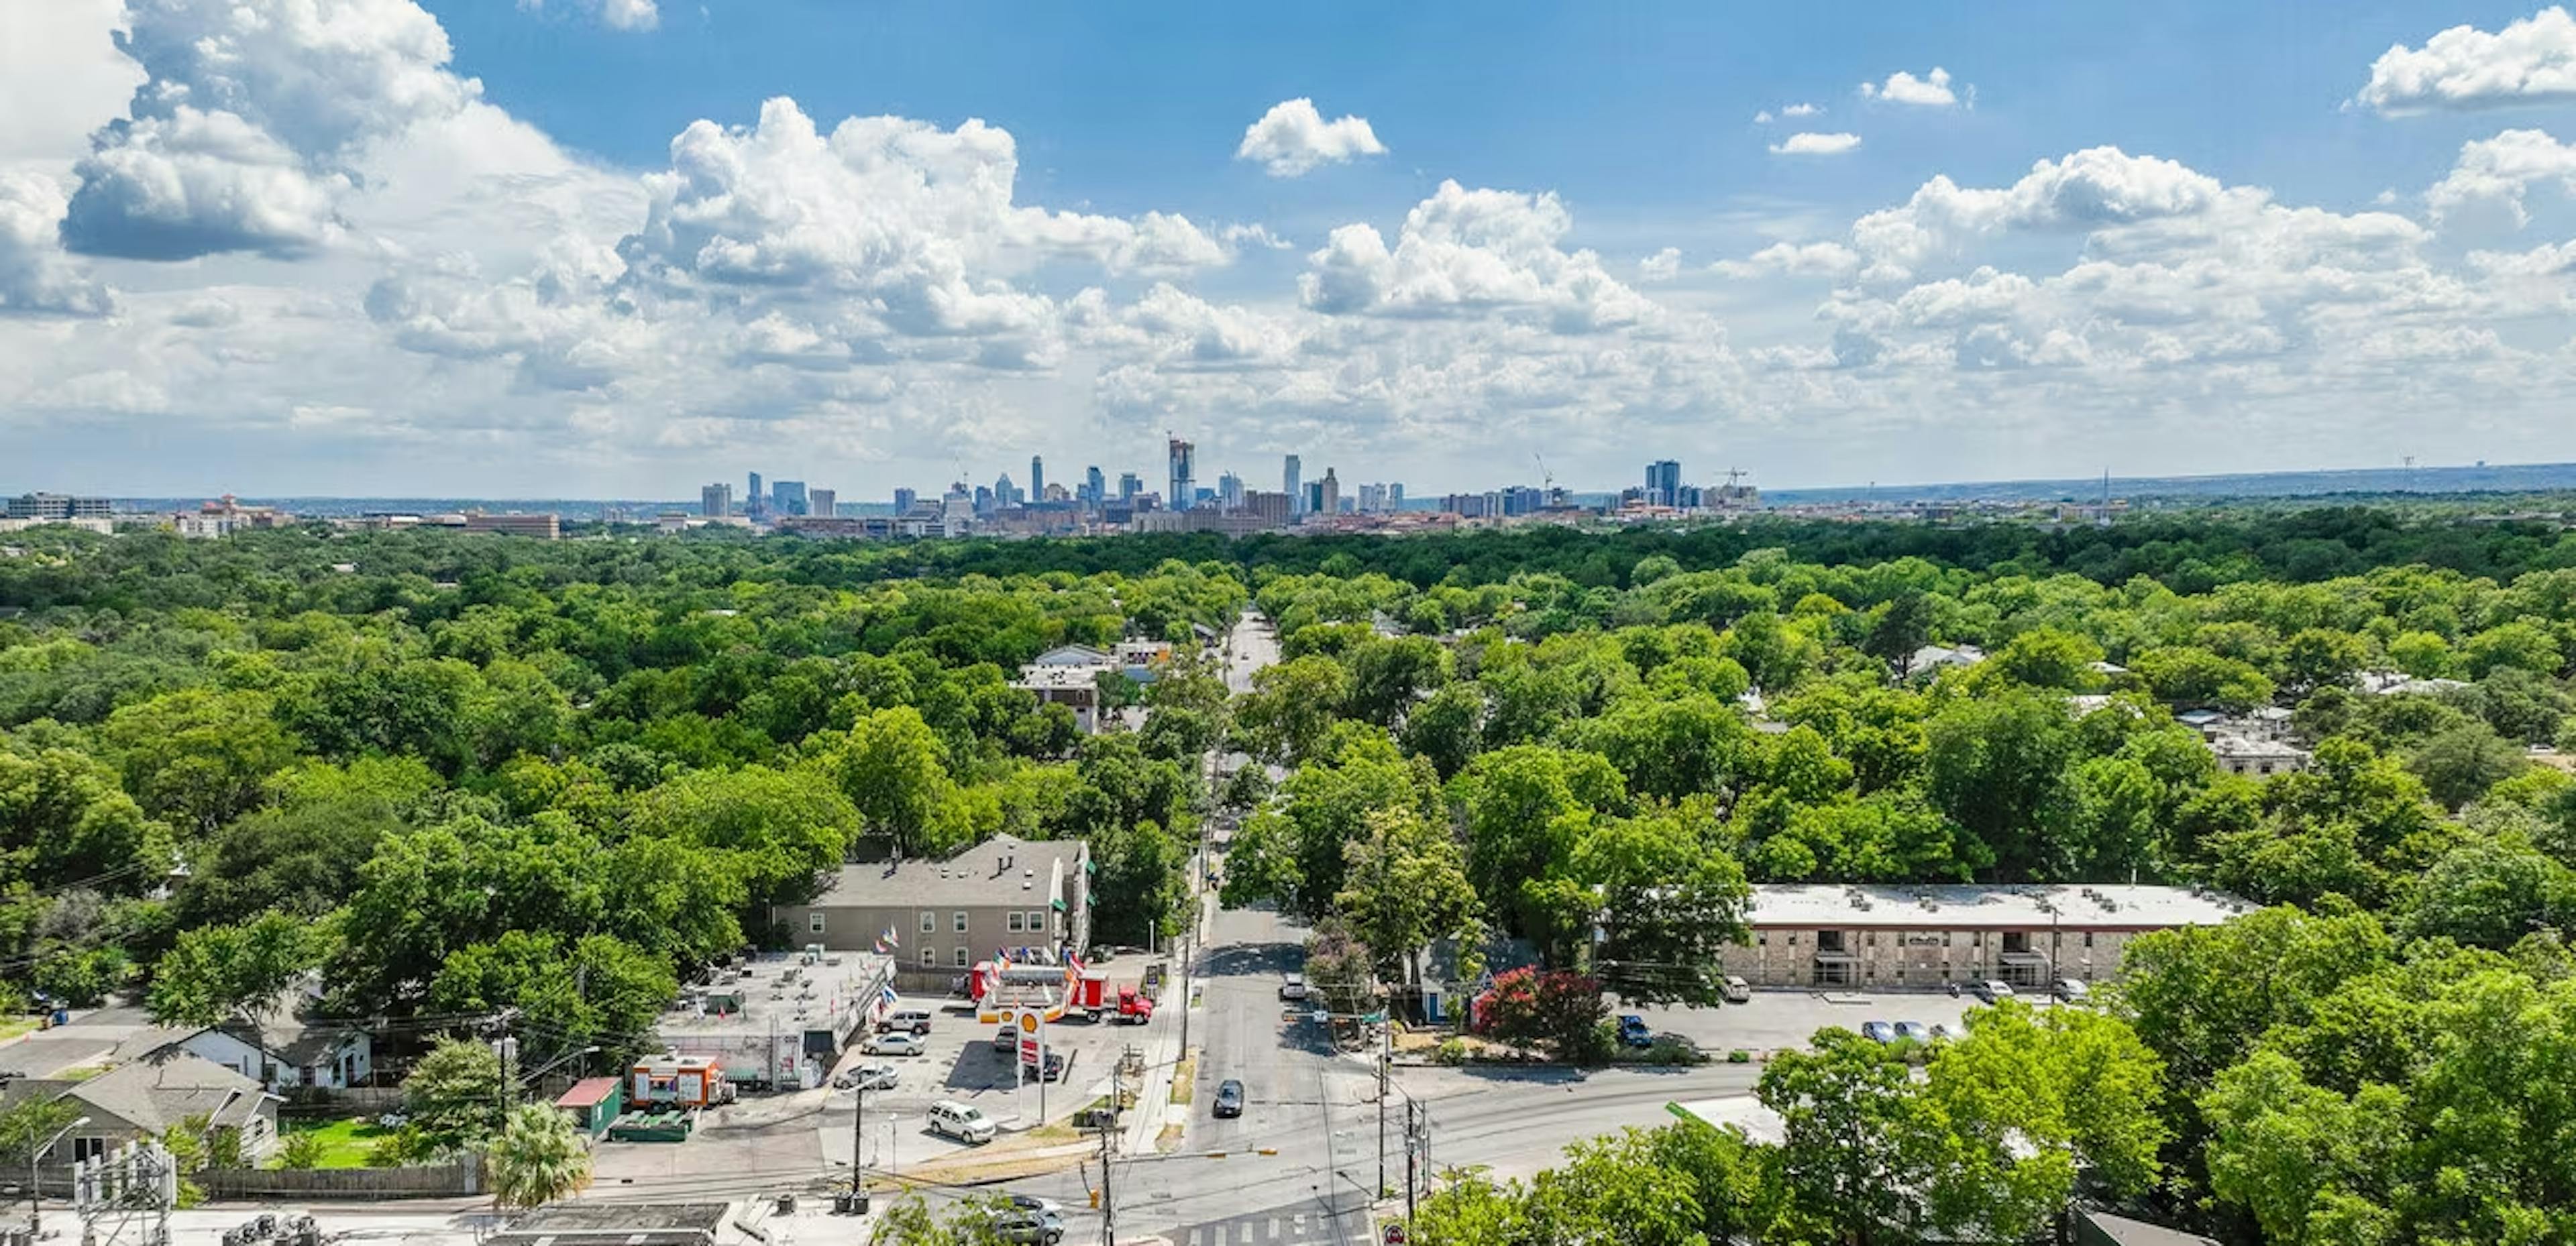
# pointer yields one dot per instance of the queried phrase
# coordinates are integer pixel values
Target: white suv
(964, 1122)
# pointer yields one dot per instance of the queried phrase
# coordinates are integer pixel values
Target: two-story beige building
(939, 917)
(1898, 937)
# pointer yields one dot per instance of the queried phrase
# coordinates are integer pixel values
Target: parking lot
(1789, 1018)
(962, 1063)
(808, 1131)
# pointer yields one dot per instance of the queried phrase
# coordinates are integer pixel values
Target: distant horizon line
(1874, 491)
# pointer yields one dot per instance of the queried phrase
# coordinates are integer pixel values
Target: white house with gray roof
(148, 1097)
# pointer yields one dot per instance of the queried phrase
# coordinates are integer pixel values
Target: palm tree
(538, 1158)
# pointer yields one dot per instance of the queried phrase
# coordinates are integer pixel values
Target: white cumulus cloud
(1292, 139)
(1812, 144)
(1932, 90)
(2500, 170)
(35, 275)
(614, 14)
(1810, 259)
(1470, 252)
(254, 118)
(2530, 61)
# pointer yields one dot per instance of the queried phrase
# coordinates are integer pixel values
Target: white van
(964, 1122)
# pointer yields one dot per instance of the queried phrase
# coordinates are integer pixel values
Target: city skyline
(525, 250)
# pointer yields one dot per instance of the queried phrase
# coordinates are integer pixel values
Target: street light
(35, 1196)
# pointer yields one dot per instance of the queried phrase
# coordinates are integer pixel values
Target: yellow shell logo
(1028, 1023)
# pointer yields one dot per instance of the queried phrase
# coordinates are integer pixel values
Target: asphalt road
(1315, 1113)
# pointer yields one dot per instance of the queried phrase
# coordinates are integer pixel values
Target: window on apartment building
(1793, 938)
(1014, 923)
(1037, 922)
(2088, 938)
(959, 920)
(929, 922)
(813, 923)
(1945, 937)
(961, 958)
(88, 1148)
(930, 958)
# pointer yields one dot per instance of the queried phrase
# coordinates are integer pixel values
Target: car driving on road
(1633, 1032)
(2070, 991)
(1229, 1098)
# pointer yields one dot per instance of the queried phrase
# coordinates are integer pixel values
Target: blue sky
(410, 246)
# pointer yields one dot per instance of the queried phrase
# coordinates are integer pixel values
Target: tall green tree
(1404, 888)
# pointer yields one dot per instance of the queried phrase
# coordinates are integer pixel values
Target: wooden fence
(428, 1181)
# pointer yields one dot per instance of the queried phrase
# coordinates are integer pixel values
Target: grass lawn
(345, 1143)
(12, 1027)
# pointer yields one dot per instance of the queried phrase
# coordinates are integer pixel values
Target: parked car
(1914, 1031)
(1031, 1202)
(866, 1077)
(1054, 1070)
(1991, 991)
(1294, 987)
(1735, 990)
(1229, 1098)
(895, 1045)
(2070, 991)
(963, 1121)
(1878, 1031)
(909, 1021)
(1942, 1033)
(1006, 1040)
(1044, 1228)
(1633, 1031)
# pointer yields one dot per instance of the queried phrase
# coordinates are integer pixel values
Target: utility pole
(859, 1139)
(1108, 1203)
(1414, 1136)
(505, 1052)
(1385, 1061)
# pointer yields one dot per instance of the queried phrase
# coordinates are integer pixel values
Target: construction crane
(1547, 479)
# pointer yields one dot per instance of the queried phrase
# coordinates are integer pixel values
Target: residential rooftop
(1002, 870)
(1980, 906)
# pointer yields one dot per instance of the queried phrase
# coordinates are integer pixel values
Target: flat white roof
(1977, 906)
(1743, 1113)
(781, 993)
(1052, 677)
